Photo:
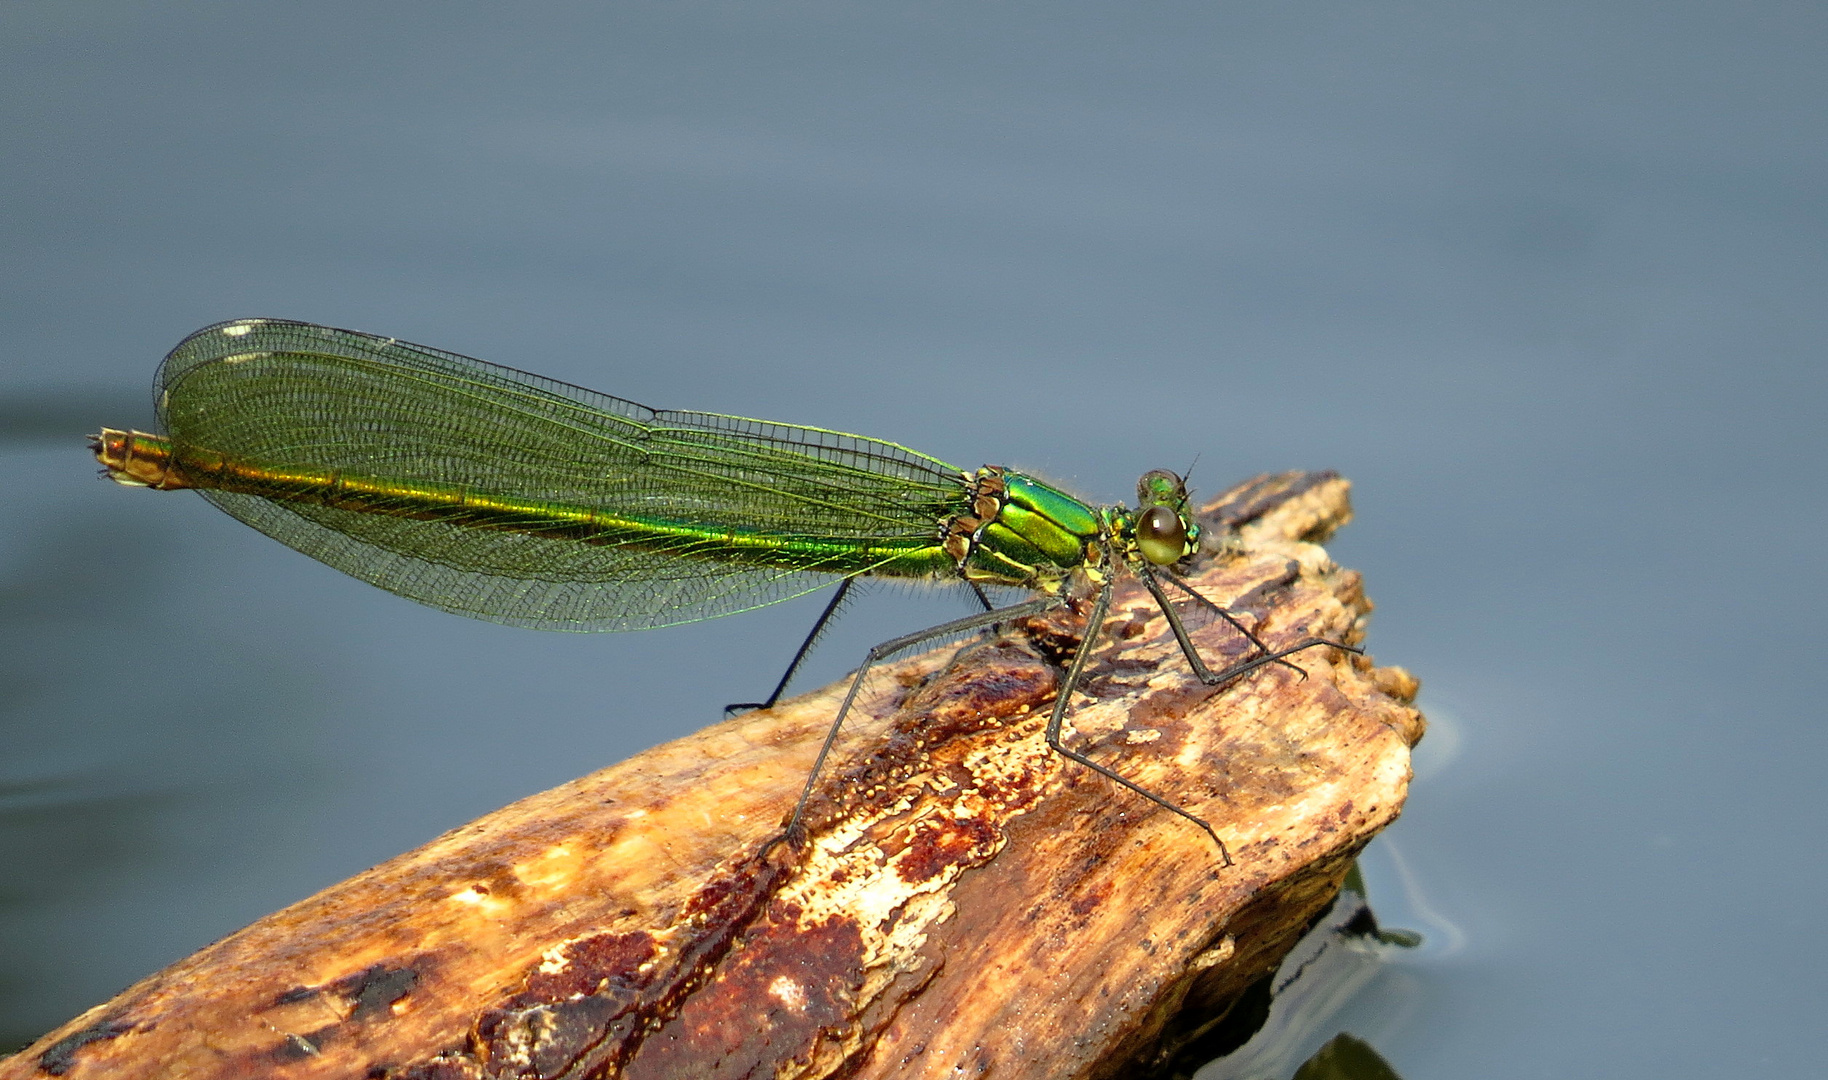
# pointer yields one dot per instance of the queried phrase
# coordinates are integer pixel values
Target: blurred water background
(1546, 281)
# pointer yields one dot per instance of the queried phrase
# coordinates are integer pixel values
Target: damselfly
(502, 495)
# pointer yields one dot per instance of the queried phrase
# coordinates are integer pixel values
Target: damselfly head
(1165, 532)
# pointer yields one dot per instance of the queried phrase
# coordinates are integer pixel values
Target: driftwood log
(967, 901)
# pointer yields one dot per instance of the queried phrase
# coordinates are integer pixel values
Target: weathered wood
(967, 901)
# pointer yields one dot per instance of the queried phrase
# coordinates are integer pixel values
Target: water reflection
(1317, 1016)
(1346, 1058)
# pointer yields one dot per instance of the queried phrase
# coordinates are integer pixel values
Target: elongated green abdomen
(132, 456)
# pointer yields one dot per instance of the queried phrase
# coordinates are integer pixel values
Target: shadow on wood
(967, 900)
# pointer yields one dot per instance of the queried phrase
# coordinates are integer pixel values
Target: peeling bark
(967, 900)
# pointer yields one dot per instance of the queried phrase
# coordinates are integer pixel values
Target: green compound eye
(1162, 536)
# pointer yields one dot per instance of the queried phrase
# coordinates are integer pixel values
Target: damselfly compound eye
(1162, 536)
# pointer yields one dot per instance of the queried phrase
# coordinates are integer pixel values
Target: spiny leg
(1092, 627)
(1149, 579)
(1243, 667)
(818, 631)
(799, 656)
(794, 831)
(978, 591)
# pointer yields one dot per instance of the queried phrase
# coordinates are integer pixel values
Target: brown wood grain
(967, 900)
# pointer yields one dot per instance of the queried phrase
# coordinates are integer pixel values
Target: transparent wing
(286, 393)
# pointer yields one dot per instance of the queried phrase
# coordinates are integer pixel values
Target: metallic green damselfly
(502, 495)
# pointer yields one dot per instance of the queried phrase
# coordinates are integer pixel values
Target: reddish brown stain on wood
(779, 1000)
(939, 845)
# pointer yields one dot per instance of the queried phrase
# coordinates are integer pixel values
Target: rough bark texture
(967, 900)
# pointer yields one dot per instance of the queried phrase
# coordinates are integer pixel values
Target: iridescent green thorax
(1023, 532)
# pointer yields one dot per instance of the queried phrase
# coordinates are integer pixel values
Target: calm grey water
(1546, 281)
